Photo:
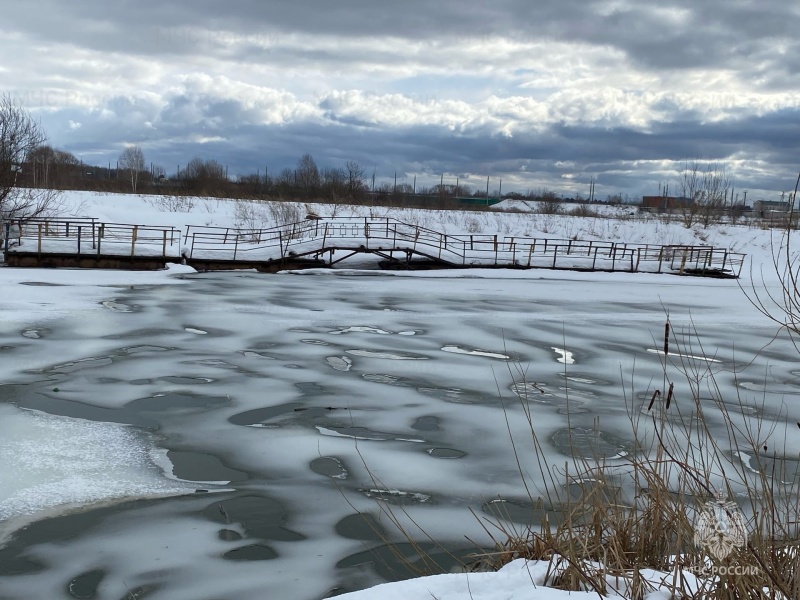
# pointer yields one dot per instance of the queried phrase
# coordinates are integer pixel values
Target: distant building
(764, 208)
(664, 203)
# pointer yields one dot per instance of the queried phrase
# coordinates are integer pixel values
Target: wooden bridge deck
(326, 242)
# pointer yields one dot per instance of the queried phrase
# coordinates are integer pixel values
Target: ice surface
(255, 395)
(51, 464)
(340, 363)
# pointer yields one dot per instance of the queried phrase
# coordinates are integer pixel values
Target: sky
(544, 94)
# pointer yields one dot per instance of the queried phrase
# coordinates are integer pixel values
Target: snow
(43, 295)
(406, 330)
(518, 580)
(59, 462)
(213, 212)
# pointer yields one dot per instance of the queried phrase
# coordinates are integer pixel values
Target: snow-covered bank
(616, 224)
(518, 580)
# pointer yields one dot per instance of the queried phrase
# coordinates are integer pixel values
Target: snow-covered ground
(622, 223)
(347, 331)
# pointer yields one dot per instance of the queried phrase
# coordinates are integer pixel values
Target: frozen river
(232, 419)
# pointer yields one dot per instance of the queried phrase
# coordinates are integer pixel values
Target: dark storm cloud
(547, 91)
(674, 34)
(619, 158)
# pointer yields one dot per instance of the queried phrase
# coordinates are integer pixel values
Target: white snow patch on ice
(333, 433)
(381, 354)
(692, 356)
(52, 464)
(458, 350)
(566, 357)
(361, 329)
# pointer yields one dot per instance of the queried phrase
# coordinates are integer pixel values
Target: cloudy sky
(541, 93)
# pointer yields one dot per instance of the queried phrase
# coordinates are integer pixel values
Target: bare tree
(307, 174)
(132, 161)
(781, 306)
(204, 176)
(334, 183)
(704, 188)
(356, 184)
(49, 167)
(20, 136)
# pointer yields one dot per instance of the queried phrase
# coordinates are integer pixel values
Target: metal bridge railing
(89, 236)
(318, 236)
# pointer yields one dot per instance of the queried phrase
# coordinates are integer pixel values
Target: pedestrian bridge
(326, 242)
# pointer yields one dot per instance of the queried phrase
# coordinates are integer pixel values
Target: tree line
(48, 167)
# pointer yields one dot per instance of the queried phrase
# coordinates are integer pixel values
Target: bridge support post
(133, 239)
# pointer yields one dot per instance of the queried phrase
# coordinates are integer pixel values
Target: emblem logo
(720, 528)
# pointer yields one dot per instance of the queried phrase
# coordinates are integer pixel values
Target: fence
(378, 235)
(89, 236)
(316, 237)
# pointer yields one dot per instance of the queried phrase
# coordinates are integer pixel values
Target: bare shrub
(472, 225)
(549, 207)
(583, 210)
(250, 215)
(283, 213)
(173, 204)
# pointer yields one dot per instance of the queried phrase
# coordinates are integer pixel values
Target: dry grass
(610, 524)
(620, 519)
